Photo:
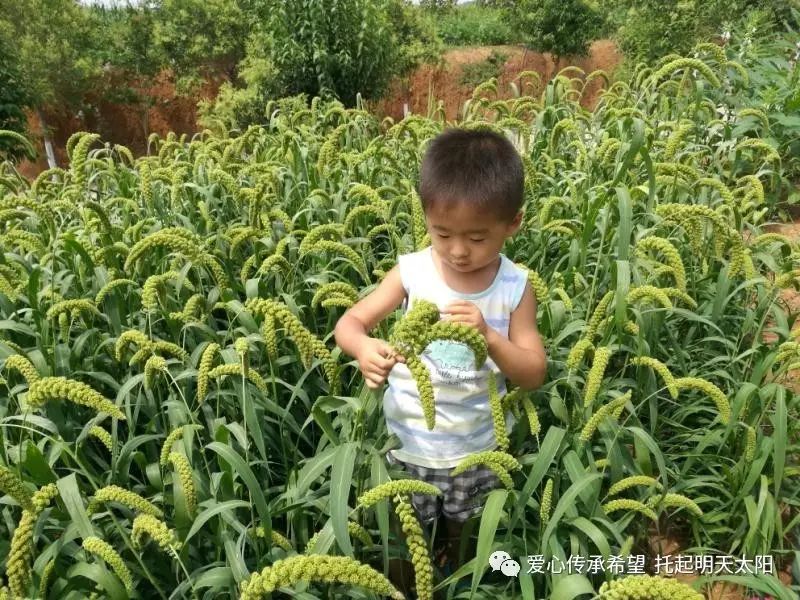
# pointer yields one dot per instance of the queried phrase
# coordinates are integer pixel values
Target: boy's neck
(466, 283)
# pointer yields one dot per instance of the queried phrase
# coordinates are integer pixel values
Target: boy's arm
(521, 357)
(353, 328)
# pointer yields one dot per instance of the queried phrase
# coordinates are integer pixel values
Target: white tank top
(461, 393)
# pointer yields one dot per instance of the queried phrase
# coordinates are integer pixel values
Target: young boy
(471, 187)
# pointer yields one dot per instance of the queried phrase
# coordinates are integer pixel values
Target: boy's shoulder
(513, 268)
(414, 265)
(412, 255)
(410, 261)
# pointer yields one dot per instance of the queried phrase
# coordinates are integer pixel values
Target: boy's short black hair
(477, 167)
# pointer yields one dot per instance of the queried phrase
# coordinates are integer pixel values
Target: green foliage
(12, 99)
(649, 29)
(338, 47)
(358, 51)
(127, 50)
(653, 28)
(438, 6)
(236, 107)
(415, 33)
(197, 35)
(474, 25)
(128, 38)
(474, 74)
(54, 41)
(562, 27)
(772, 60)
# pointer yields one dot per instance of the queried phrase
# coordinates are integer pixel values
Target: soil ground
(125, 123)
(120, 123)
(443, 82)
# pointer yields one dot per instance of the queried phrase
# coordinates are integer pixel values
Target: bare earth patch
(442, 82)
(120, 123)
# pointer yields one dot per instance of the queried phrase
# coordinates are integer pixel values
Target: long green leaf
(251, 483)
(73, 501)
(486, 533)
(341, 480)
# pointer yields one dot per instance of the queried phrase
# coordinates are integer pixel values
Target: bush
(654, 28)
(321, 51)
(474, 74)
(417, 41)
(237, 107)
(475, 26)
(562, 27)
(326, 59)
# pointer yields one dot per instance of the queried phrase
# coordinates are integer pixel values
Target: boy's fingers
(456, 303)
(382, 364)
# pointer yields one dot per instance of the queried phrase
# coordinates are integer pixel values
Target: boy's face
(468, 240)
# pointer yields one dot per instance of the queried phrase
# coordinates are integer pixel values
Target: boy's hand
(462, 311)
(375, 359)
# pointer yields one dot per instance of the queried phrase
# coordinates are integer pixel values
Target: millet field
(176, 420)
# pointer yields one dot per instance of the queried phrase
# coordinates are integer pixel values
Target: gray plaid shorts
(462, 495)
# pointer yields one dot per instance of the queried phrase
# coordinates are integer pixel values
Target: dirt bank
(129, 124)
(443, 82)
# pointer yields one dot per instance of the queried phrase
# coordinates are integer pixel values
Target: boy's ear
(515, 224)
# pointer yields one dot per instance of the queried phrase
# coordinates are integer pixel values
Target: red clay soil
(443, 81)
(119, 123)
(124, 123)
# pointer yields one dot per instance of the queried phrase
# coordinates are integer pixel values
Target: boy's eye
(481, 240)
(441, 235)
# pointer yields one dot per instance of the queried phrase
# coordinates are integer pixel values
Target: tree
(200, 35)
(562, 27)
(129, 55)
(338, 47)
(320, 61)
(52, 38)
(12, 100)
(415, 35)
(236, 107)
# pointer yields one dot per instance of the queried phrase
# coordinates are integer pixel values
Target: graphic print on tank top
(453, 363)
